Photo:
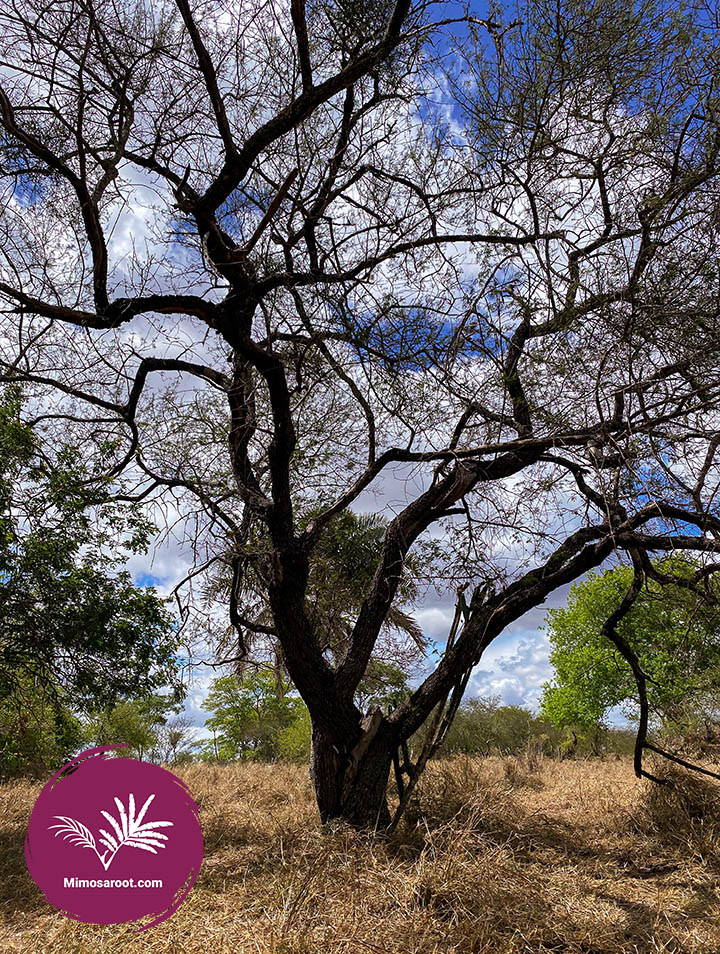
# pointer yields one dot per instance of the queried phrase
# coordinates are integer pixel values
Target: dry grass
(498, 857)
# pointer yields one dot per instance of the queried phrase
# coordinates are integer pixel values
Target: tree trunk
(351, 781)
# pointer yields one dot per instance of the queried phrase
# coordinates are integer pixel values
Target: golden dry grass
(498, 857)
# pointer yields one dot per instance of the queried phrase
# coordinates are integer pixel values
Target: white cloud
(518, 670)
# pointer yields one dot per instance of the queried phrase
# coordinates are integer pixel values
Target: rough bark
(351, 780)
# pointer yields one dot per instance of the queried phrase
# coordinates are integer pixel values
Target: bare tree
(361, 253)
(175, 740)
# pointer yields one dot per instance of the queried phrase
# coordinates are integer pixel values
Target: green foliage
(675, 634)
(135, 722)
(483, 726)
(383, 686)
(343, 565)
(70, 615)
(293, 741)
(38, 731)
(259, 717)
(255, 717)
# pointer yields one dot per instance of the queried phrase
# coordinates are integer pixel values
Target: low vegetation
(499, 856)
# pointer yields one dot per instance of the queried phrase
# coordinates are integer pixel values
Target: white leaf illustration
(148, 825)
(142, 812)
(140, 844)
(109, 840)
(74, 832)
(123, 816)
(129, 831)
(145, 841)
(141, 835)
(118, 830)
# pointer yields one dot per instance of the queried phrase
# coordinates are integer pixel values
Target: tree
(384, 686)
(483, 725)
(143, 724)
(674, 634)
(286, 257)
(176, 742)
(250, 715)
(39, 732)
(71, 620)
(340, 570)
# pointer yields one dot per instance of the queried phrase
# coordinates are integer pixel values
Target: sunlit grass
(497, 856)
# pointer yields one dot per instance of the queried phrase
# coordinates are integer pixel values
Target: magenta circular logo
(114, 839)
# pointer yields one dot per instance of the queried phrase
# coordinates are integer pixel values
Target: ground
(497, 857)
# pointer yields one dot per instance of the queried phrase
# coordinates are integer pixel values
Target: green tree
(249, 714)
(484, 726)
(384, 686)
(140, 723)
(39, 731)
(71, 618)
(674, 632)
(294, 741)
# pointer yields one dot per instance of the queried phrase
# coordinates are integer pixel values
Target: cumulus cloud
(516, 664)
(515, 671)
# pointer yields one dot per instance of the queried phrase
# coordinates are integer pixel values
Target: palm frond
(398, 619)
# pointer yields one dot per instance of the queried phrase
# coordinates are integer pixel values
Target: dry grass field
(497, 856)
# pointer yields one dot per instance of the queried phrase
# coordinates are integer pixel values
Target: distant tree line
(255, 719)
(483, 726)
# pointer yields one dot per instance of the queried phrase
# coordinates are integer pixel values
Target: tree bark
(351, 781)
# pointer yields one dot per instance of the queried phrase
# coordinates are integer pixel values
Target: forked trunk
(351, 781)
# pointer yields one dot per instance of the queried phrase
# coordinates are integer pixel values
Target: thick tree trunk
(351, 781)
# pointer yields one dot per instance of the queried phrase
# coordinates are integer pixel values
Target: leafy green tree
(137, 722)
(249, 714)
(38, 730)
(70, 616)
(384, 686)
(482, 725)
(294, 741)
(675, 634)
(258, 717)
